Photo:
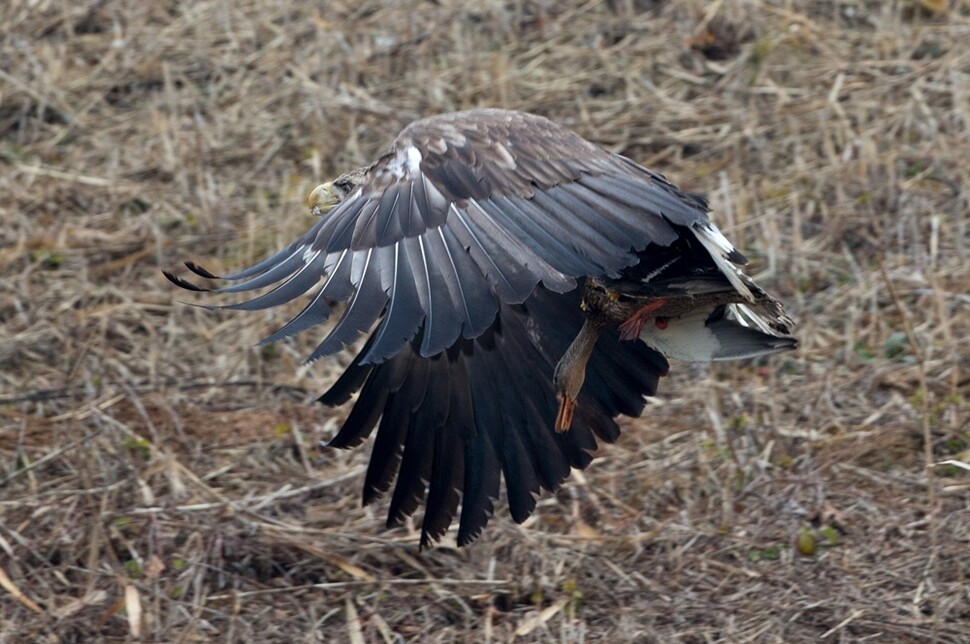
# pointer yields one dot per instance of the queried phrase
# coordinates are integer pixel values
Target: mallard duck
(467, 255)
(689, 301)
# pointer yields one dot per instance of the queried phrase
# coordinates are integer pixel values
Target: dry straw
(158, 473)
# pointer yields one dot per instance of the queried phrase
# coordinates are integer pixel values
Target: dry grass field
(160, 478)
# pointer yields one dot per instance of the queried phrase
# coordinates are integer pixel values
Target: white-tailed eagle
(472, 253)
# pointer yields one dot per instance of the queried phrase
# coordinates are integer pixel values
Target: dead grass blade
(17, 594)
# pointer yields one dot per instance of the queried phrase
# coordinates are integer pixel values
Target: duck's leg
(630, 330)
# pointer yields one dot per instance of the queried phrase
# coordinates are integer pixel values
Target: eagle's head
(327, 195)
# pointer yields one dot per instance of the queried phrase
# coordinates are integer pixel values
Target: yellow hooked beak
(322, 199)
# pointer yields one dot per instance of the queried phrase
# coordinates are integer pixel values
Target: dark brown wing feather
(467, 227)
(452, 423)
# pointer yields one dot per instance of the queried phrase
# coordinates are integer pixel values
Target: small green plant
(571, 588)
(48, 258)
(139, 445)
(760, 50)
(830, 534)
(916, 400)
(863, 352)
(537, 597)
(897, 346)
(771, 553)
(805, 543)
(281, 430)
(955, 399)
(949, 471)
(132, 569)
(914, 167)
(955, 445)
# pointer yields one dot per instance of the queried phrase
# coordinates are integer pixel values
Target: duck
(689, 301)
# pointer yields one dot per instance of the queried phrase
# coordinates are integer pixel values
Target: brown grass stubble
(159, 474)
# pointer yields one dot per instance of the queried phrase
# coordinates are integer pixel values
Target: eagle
(520, 288)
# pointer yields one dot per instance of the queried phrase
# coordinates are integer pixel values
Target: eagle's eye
(342, 188)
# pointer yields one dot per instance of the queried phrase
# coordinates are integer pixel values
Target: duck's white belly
(703, 337)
